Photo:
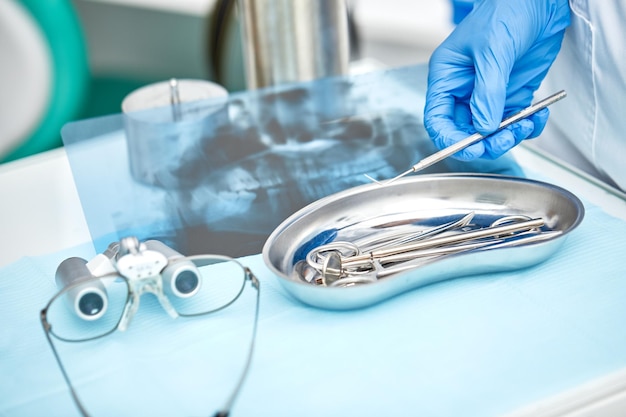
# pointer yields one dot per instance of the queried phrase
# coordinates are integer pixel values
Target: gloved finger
(539, 119)
(441, 97)
(512, 54)
(490, 89)
(446, 81)
(501, 142)
(438, 106)
(530, 69)
(444, 132)
(463, 118)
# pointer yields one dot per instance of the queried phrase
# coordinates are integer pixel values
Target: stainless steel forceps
(344, 263)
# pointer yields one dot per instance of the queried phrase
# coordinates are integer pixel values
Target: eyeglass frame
(132, 305)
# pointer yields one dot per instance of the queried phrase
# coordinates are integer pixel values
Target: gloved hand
(488, 68)
(460, 9)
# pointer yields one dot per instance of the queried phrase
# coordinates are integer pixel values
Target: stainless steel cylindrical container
(293, 40)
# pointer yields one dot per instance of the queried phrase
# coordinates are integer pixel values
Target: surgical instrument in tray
(419, 203)
(337, 261)
(476, 137)
(395, 238)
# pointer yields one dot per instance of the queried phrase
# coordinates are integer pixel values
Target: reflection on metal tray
(366, 244)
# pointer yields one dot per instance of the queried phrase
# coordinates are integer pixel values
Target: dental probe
(476, 137)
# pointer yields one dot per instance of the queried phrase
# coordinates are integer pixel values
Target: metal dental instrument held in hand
(476, 137)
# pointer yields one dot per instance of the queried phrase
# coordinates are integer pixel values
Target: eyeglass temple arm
(46, 328)
(225, 411)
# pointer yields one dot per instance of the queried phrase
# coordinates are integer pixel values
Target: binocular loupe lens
(186, 282)
(89, 300)
(181, 279)
(91, 304)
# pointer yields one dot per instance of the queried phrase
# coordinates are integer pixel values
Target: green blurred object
(75, 92)
(60, 26)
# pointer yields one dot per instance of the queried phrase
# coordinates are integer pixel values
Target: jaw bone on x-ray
(262, 156)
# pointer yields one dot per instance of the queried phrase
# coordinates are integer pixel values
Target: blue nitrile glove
(488, 68)
(460, 9)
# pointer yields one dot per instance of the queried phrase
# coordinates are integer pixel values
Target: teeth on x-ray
(271, 153)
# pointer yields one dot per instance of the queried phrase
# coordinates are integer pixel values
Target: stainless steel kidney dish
(366, 244)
